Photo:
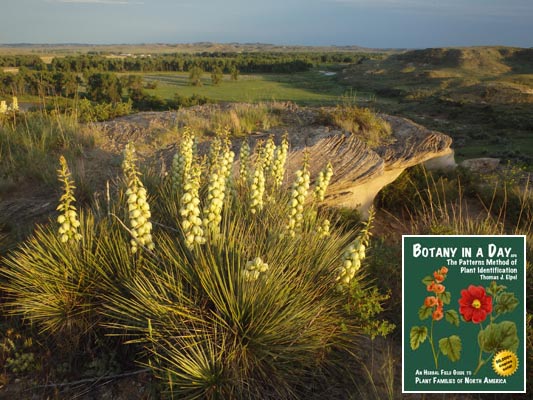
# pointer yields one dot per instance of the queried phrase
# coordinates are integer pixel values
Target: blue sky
(370, 23)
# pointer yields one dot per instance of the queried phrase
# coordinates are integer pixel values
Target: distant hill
(487, 59)
(481, 96)
(479, 74)
(157, 48)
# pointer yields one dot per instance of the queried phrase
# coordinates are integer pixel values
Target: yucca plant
(49, 282)
(251, 312)
(248, 312)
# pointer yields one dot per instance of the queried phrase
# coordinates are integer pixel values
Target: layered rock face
(361, 172)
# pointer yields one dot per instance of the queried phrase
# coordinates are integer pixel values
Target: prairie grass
(30, 144)
(240, 119)
(362, 122)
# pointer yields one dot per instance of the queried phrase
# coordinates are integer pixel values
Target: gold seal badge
(505, 363)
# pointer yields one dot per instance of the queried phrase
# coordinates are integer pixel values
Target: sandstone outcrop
(361, 172)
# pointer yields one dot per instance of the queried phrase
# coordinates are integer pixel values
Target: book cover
(464, 314)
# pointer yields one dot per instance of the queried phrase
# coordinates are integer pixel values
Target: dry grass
(362, 122)
(241, 119)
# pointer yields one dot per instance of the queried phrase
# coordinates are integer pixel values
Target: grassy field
(309, 88)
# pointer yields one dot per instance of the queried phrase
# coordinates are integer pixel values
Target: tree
(134, 82)
(234, 73)
(195, 76)
(216, 75)
(65, 83)
(104, 88)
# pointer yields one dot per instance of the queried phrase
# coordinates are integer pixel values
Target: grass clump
(30, 144)
(362, 122)
(252, 310)
(240, 119)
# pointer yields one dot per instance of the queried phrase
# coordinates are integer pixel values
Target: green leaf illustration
(451, 347)
(446, 297)
(425, 312)
(505, 302)
(494, 288)
(417, 336)
(495, 337)
(428, 280)
(452, 317)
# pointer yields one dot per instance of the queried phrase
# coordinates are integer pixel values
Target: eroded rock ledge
(361, 172)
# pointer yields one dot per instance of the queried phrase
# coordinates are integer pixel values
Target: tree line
(263, 62)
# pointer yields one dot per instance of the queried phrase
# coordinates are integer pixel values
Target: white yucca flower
(68, 219)
(267, 155)
(353, 255)
(244, 159)
(324, 177)
(254, 268)
(300, 188)
(351, 263)
(217, 188)
(278, 165)
(3, 107)
(190, 209)
(138, 208)
(257, 190)
(182, 161)
(228, 156)
(323, 230)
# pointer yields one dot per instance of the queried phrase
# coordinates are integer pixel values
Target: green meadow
(307, 88)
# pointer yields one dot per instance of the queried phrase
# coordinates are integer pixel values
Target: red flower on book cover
(474, 304)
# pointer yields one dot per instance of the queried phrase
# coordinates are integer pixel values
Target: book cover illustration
(464, 314)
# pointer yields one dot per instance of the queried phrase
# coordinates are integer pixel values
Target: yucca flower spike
(300, 188)
(278, 165)
(244, 159)
(190, 209)
(68, 220)
(182, 161)
(14, 104)
(138, 208)
(324, 229)
(353, 255)
(267, 155)
(257, 190)
(322, 184)
(217, 188)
